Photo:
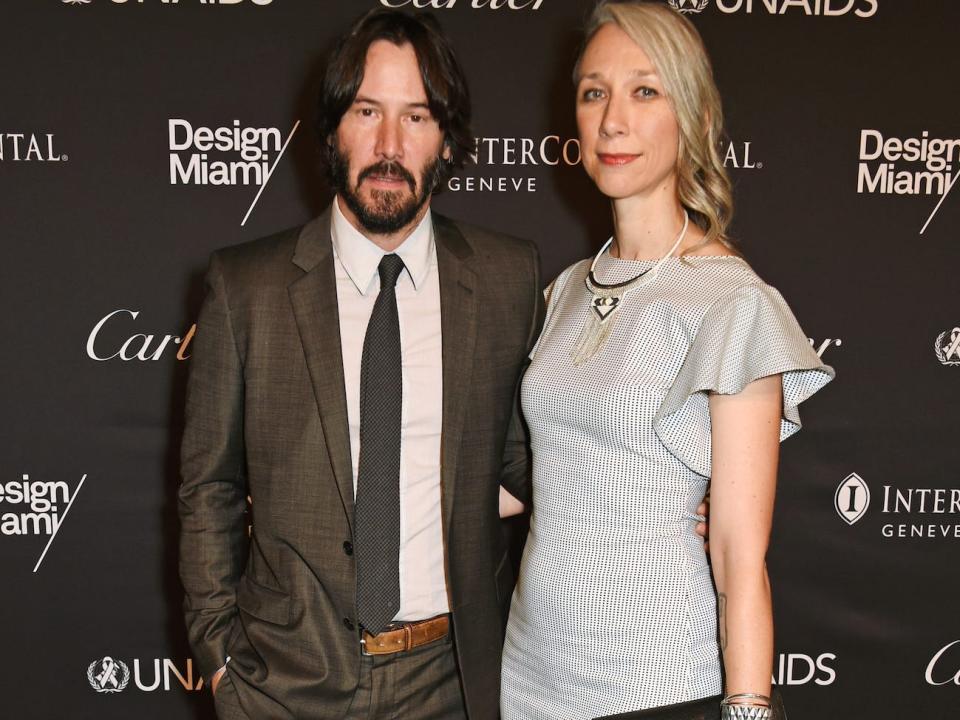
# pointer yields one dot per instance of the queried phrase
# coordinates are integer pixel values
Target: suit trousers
(421, 684)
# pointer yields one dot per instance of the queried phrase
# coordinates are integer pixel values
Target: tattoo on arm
(722, 612)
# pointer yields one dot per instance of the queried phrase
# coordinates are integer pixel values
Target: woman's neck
(645, 228)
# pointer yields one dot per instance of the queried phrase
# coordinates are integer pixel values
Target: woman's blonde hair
(676, 49)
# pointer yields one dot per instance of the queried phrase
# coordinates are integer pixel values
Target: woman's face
(628, 131)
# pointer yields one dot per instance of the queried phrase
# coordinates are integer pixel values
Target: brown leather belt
(405, 637)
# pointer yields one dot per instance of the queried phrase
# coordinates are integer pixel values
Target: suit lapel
(458, 305)
(314, 300)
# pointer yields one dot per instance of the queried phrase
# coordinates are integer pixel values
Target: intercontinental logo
(852, 499)
(826, 8)
(909, 512)
(919, 165)
(737, 155)
(225, 156)
(505, 164)
(29, 147)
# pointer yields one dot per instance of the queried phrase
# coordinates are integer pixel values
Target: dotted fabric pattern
(615, 609)
(377, 512)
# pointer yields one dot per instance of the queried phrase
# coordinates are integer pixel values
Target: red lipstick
(616, 158)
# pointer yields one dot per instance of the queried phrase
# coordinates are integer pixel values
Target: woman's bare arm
(745, 445)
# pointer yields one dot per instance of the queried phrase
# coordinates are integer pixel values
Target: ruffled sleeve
(746, 335)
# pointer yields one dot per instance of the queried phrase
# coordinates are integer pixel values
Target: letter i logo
(852, 498)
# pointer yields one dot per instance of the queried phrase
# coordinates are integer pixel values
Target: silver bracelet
(744, 712)
(750, 698)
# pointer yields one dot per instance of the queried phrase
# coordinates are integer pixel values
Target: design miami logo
(852, 499)
(32, 507)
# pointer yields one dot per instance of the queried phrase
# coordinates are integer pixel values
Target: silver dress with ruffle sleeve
(615, 609)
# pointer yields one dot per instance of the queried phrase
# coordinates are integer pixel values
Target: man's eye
(592, 94)
(366, 112)
(416, 118)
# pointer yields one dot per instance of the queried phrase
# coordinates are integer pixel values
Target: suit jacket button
(348, 547)
(348, 623)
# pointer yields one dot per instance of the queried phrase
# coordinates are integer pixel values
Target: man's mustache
(390, 170)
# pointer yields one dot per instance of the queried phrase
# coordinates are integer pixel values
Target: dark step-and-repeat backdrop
(844, 127)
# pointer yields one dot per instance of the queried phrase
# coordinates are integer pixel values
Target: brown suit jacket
(266, 416)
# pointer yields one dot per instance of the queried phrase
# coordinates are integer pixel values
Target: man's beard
(389, 211)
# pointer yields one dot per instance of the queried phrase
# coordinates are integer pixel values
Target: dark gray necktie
(377, 514)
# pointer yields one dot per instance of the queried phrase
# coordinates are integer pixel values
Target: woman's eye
(416, 118)
(592, 94)
(647, 92)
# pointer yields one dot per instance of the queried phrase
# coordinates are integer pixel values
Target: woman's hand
(509, 505)
(703, 528)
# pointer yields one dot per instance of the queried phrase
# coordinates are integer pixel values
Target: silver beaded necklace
(606, 299)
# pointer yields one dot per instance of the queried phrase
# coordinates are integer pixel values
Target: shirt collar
(360, 256)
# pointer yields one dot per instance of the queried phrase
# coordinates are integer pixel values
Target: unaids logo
(108, 675)
(167, 2)
(947, 347)
(827, 8)
(852, 499)
(474, 4)
(689, 6)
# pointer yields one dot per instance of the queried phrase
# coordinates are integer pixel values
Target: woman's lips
(616, 158)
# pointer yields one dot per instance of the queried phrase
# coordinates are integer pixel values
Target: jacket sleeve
(212, 495)
(515, 474)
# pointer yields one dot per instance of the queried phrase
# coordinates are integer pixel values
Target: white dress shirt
(423, 587)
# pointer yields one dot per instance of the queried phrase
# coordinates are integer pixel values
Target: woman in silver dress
(665, 366)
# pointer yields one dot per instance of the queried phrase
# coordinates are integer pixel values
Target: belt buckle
(363, 646)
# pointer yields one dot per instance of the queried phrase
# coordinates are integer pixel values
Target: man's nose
(389, 142)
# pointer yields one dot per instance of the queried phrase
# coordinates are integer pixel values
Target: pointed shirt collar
(361, 257)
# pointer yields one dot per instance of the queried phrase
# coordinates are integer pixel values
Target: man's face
(388, 144)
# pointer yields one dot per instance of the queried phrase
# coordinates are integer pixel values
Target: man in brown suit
(356, 377)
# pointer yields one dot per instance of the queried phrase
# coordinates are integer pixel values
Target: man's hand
(217, 676)
(703, 528)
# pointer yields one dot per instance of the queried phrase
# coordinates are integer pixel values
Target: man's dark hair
(448, 96)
